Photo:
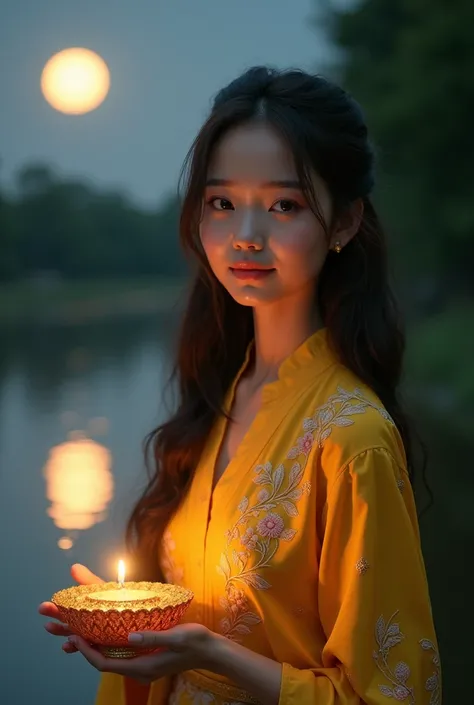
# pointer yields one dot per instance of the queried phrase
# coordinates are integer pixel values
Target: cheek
(213, 238)
(303, 243)
(215, 245)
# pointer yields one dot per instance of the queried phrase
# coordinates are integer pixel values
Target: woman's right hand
(81, 575)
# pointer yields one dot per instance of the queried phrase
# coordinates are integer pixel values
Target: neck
(280, 329)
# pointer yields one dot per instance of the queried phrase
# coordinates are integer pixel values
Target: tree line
(73, 230)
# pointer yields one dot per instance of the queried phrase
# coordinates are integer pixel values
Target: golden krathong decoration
(107, 622)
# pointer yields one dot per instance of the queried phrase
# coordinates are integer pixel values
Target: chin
(253, 296)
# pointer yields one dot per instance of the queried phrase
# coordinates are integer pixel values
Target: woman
(282, 489)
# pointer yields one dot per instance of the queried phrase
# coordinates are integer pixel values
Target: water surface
(102, 380)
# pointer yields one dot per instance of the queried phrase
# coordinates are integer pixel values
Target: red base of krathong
(107, 624)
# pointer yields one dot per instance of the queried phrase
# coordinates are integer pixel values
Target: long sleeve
(373, 596)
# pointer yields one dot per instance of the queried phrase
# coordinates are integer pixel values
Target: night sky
(166, 57)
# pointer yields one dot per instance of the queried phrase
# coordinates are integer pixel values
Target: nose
(248, 236)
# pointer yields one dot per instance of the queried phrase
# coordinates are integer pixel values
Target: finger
(69, 648)
(167, 639)
(148, 667)
(94, 657)
(143, 668)
(57, 629)
(48, 609)
(83, 575)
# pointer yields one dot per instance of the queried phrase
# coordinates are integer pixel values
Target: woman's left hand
(184, 647)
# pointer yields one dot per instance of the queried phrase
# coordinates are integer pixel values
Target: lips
(253, 266)
(249, 270)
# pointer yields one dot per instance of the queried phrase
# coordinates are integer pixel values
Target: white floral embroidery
(193, 694)
(349, 677)
(433, 683)
(277, 502)
(388, 635)
(281, 493)
(362, 566)
(336, 412)
(172, 572)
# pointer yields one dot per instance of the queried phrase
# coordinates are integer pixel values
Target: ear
(348, 224)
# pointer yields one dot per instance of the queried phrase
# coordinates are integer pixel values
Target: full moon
(75, 81)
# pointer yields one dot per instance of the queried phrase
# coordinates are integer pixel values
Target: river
(103, 381)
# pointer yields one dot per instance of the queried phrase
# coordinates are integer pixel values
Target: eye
(220, 204)
(286, 205)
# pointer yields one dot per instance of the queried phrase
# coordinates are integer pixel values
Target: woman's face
(260, 236)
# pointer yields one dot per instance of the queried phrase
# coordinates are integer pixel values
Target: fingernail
(135, 638)
(72, 640)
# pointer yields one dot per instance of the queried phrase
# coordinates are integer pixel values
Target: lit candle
(123, 594)
(105, 613)
(121, 573)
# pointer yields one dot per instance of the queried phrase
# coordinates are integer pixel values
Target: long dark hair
(326, 132)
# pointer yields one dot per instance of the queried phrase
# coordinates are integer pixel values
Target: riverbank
(439, 372)
(74, 302)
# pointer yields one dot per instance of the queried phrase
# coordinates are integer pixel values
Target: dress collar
(308, 360)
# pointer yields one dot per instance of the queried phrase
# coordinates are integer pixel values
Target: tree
(8, 238)
(410, 63)
(73, 230)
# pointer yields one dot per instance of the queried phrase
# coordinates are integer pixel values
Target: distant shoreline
(82, 301)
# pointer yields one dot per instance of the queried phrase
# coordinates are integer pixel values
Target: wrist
(217, 654)
(258, 675)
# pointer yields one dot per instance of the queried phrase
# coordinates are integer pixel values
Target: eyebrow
(281, 183)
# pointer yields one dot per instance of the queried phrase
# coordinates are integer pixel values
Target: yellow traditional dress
(310, 552)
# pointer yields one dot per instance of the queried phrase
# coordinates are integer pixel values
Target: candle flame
(121, 572)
